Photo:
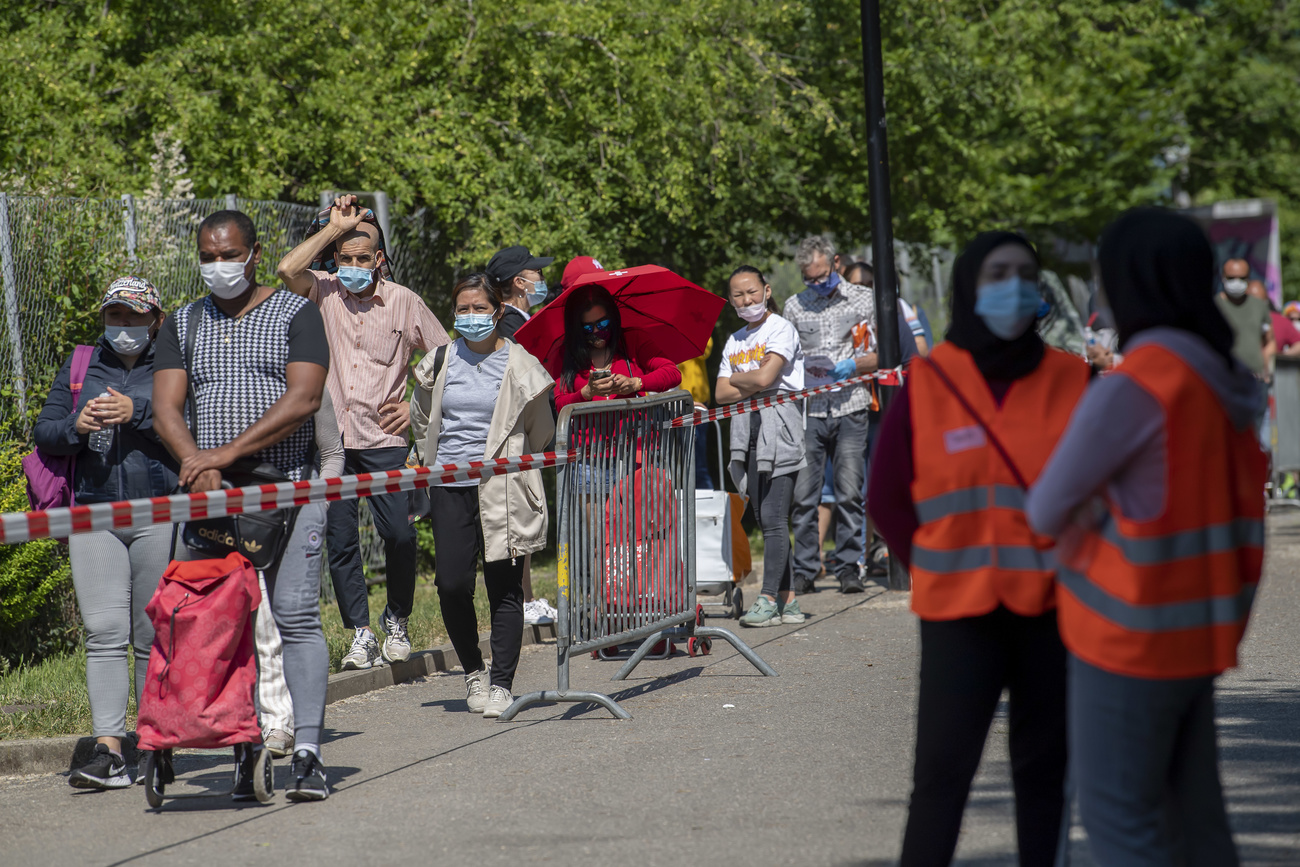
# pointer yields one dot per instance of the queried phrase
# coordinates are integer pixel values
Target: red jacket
(656, 372)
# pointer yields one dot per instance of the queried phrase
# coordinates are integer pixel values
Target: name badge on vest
(963, 439)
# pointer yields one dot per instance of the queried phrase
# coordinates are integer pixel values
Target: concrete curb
(56, 755)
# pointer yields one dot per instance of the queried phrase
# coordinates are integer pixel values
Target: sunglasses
(598, 325)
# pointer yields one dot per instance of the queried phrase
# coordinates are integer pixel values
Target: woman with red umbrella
(600, 361)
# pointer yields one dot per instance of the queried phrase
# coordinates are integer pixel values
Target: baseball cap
(510, 261)
(577, 267)
(134, 292)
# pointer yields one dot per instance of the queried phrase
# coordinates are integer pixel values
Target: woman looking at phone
(601, 361)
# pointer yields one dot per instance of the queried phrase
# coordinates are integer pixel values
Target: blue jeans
(1145, 765)
(846, 438)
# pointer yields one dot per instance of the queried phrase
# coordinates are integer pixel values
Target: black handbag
(259, 536)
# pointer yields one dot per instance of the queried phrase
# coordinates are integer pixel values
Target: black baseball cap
(510, 261)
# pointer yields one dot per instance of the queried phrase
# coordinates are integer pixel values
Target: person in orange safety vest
(1156, 492)
(972, 428)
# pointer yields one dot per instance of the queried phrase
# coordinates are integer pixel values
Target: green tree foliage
(689, 133)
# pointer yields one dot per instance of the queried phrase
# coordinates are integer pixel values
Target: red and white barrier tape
(884, 377)
(62, 522)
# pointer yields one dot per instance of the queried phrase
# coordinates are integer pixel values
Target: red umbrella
(671, 313)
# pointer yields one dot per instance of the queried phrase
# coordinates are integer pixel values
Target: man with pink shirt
(373, 326)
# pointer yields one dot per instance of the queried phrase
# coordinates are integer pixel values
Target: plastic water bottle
(102, 439)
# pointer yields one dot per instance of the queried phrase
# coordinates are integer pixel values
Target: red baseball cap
(577, 267)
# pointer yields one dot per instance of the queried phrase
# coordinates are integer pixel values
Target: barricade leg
(563, 694)
(698, 632)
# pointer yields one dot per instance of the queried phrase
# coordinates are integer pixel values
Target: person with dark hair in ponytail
(1156, 492)
(601, 361)
(971, 429)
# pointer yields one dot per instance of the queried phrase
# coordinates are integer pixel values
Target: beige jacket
(512, 508)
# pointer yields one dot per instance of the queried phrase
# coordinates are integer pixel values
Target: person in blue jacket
(114, 572)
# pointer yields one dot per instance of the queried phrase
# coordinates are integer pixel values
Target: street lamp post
(882, 232)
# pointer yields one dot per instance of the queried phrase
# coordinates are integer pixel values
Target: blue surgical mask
(355, 279)
(538, 295)
(826, 287)
(1008, 307)
(474, 326)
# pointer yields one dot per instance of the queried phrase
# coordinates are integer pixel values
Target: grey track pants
(115, 573)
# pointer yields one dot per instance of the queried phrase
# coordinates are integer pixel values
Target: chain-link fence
(58, 255)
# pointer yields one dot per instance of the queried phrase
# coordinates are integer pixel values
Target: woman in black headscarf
(1155, 595)
(974, 425)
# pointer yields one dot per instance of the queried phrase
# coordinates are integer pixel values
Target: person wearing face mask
(516, 275)
(483, 397)
(595, 343)
(374, 326)
(1155, 493)
(1248, 317)
(762, 359)
(114, 572)
(825, 314)
(252, 360)
(972, 427)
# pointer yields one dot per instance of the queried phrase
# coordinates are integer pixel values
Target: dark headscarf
(997, 359)
(1157, 268)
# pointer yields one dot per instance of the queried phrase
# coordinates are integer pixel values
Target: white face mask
(753, 312)
(1235, 286)
(226, 280)
(127, 340)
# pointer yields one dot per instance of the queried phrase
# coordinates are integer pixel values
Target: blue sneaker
(762, 613)
(791, 613)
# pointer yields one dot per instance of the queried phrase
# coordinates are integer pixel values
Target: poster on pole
(1245, 229)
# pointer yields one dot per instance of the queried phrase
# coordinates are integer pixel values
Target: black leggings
(964, 666)
(772, 500)
(458, 544)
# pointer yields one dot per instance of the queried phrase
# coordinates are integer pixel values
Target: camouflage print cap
(134, 292)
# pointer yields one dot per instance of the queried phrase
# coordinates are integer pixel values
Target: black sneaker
(306, 778)
(105, 770)
(804, 585)
(245, 768)
(850, 583)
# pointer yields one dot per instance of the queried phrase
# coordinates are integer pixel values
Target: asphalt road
(718, 766)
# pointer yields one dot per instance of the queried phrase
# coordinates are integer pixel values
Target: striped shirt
(371, 342)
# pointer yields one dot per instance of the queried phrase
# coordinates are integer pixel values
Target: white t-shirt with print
(746, 348)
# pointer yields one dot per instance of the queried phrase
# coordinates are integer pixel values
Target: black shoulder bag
(259, 536)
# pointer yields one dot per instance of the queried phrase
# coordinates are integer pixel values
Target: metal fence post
(232, 202)
(128, 223)
(11, 307)
(381, 214)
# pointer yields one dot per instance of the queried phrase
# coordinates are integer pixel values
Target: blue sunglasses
(599, 325)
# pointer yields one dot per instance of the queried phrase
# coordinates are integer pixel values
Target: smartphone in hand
(599, 374)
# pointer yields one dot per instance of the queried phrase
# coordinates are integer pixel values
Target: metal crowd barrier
(626, 539)
(1286, 427)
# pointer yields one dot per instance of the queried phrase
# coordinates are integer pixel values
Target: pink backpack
(50, 477)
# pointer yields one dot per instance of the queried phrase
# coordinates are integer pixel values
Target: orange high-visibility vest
(1169, 597)
(974, 550)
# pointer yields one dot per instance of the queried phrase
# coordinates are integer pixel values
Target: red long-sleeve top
(656, 372)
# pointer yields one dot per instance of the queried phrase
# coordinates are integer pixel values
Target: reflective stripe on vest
(1167, 617)
(1214, 539)
(966, 500)
(1010, 557)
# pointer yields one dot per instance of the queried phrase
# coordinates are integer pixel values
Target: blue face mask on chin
(1008, 307)
(355, 280)
(825, 287)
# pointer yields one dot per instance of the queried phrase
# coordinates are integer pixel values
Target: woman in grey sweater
(767, 448)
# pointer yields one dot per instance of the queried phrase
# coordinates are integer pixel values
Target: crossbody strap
(993, 440)
(193, 321)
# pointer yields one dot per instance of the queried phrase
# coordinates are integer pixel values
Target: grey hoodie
(780, 448)
(1115, 443)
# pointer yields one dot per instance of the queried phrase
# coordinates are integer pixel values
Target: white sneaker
(364, 652)
(476, 690)
(538, 612)
(397, 642)
(548, 614)
(499, 698)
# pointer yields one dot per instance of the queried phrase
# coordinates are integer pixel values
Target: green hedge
(38, 614)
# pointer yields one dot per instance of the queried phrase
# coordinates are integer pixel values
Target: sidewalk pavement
(718, 766)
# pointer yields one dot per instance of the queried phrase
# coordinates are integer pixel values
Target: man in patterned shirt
(258, 370)
(825, 315)
(373, 326)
